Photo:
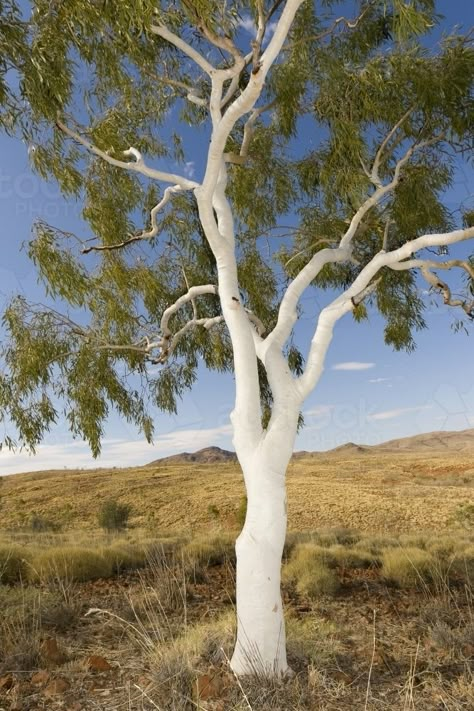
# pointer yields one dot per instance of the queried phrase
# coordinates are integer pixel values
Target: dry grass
(408, 566)
(170, 629)
(309, 569)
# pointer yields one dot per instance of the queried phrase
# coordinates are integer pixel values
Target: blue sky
(367, 394)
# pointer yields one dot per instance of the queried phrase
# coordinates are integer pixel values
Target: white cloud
(189, 168)
(397, 412)
(319, 411)
(115, 452)
(379, 380)
(353, 365)
(248, 24)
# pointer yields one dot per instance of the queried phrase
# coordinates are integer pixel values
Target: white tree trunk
(261, 643)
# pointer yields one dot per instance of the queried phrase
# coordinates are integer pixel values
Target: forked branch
(137, 166)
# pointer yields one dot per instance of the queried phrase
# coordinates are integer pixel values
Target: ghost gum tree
(350, 129)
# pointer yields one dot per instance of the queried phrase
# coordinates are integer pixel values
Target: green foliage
(342, 88)
(113, 516)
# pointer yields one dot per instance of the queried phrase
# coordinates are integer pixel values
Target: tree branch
(374, 173)
(179, 43)
(425, 266)
(138, 165)
(146, 234)
(383, 190)
(346, 301)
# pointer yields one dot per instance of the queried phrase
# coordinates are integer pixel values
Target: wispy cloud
(352, 365)
(379, 380)
(248, 24)
(115, 452)
(189, 168)
(397, 412)
(319, 411)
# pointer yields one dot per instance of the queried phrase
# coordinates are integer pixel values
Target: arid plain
(378, 584)
(406, 485)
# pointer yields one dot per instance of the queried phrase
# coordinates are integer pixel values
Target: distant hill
(208, 455)
(462, 441)
(429, 442)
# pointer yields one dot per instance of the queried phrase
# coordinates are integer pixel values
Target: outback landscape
(100, 612)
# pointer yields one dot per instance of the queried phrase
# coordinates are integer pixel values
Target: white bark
(261, 642)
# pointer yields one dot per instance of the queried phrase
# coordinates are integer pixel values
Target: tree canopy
(362, 125)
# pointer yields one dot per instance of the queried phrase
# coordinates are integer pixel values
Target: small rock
(207, 687)
(41, 677)
(56, 687)
(51, 652)
(97, 663)
(6, 682)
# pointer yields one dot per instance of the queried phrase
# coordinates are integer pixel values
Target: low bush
(13, 564)
(310, 569)
(408, 567)
(113, 516)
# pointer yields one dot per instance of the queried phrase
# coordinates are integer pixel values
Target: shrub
(70, 563)
(13, 564)
(310, 569)
(213, 511)
(320, 581)
(113, 516)
(353, 557)
(408, 567)
(41, 524)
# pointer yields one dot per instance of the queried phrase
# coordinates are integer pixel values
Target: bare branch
(358, 298)
(190, 91)
(138, 165)
(386, 234)
(374, 173)
(425, 266)
(179, 43)
(344, 303)
(146, 234)
(219, 41)
(247, 138)
(349, 24)
(383, 190)
(287, 314)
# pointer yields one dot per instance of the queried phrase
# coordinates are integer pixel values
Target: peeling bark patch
(275, 608)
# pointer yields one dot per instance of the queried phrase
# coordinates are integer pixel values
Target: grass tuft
(408, 567)
(310, 569)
